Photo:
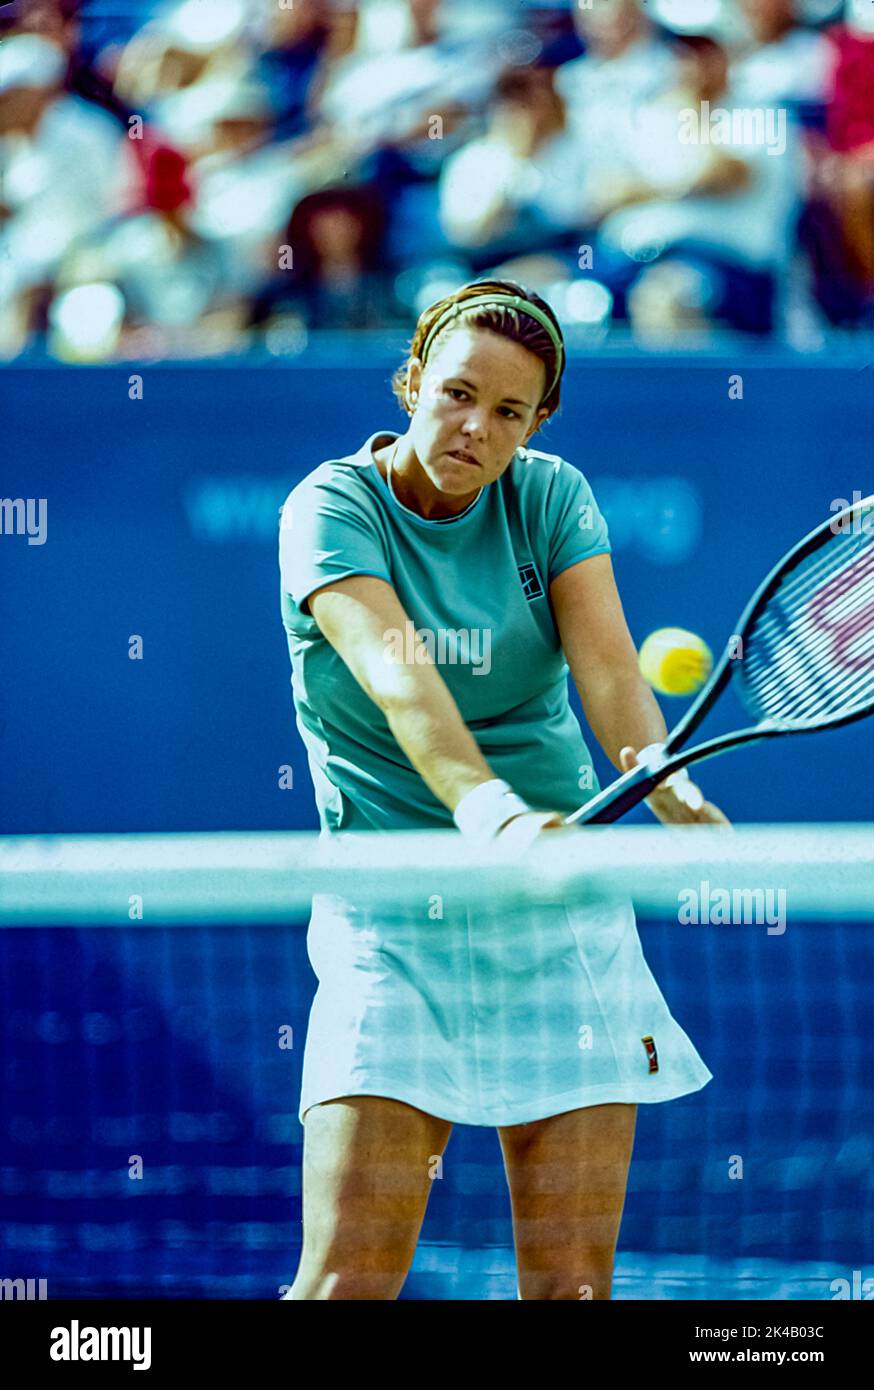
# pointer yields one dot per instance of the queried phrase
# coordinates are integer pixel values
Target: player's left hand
(677, 800)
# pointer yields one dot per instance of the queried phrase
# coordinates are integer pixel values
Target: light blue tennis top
(475, 587)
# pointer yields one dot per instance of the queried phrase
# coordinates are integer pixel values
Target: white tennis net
(255, 877)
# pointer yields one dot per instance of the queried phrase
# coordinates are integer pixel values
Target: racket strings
(814, 706)
(797, 671)
(812, 672)
(848, 624)
(812, 580)
(810, 653)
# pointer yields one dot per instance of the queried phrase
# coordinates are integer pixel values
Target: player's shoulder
(537, 472)
(534, 459)
(333, 481)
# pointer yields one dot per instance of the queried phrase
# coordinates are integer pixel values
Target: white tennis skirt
(489, 1018)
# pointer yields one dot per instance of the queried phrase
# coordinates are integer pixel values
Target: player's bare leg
(567, 1177)
(368, 1165)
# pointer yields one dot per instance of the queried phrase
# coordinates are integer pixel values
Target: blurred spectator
(61, 21)
(294, 43)
(55, 20)
(180, 261)
(245, 186)
(786, 62)
(851, 113)
(625, 62)
(523, 181)
(204, 256)
(190, 44)
(193, 70)
(407, 66)
(407, 93)
(725, 203)
(839, 226)
(336, 279)
(170, 282)
(66, 169)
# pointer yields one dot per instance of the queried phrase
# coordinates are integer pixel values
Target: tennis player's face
(478, 396)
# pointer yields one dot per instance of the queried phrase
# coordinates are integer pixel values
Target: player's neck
(399, 466)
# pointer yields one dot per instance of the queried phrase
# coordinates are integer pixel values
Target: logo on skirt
(651, 1053)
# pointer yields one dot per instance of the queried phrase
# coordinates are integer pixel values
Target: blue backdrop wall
(162, 522)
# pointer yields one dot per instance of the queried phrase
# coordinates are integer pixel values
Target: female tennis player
(437, 586)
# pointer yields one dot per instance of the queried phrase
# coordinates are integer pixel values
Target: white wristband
(684, 788)
(480, 814)
(651, 752)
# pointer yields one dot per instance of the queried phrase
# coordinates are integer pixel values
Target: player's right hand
(523, 830)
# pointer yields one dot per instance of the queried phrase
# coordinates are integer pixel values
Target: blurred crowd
(197, 178)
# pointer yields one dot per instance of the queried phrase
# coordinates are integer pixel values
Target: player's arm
(355, 615)
(621, 710)
(620, 707)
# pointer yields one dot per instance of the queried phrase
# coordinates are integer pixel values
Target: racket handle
(623, 794)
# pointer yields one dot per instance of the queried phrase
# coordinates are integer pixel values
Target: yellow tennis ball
(674, 661)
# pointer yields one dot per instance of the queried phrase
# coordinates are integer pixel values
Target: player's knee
(586, 1285)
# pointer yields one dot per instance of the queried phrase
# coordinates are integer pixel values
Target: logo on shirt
(531, 586)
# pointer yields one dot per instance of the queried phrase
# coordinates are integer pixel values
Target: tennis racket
(802, 656)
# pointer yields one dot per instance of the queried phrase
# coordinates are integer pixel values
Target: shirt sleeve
(576, 525)
(326, 535)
